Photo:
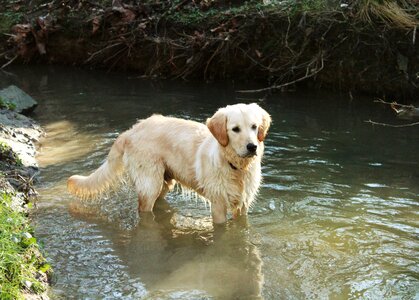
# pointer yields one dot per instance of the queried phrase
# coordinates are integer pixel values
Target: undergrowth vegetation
(400, 13)
(352, 45)
(22, 267)
(8, 19)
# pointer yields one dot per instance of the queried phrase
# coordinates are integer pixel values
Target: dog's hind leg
(168, 185)
(148, 180)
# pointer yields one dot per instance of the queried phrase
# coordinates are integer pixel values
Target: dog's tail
(105, 177)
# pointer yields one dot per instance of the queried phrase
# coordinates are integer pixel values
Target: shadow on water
(337, 214)
(221, 261)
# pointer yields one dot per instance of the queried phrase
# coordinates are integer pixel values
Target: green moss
(7, 105)
(20, 260)
(8, 19)
(8, 156)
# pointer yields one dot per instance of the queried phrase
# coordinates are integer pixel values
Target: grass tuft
(21, 264)
(402, 14)
(8, 156)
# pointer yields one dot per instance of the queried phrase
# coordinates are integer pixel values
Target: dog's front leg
(219, 211)
(239, 210)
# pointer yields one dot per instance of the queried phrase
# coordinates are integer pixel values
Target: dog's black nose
(252, 147)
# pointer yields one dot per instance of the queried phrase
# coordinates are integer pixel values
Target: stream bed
(337, 216)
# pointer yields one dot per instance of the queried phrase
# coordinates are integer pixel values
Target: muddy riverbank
(359, 46)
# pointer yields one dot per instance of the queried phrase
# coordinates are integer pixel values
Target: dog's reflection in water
(170, 252)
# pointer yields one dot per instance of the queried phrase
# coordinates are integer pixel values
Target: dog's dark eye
(254, 127)
(236, 129)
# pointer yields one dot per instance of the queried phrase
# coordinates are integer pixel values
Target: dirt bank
(367, 46)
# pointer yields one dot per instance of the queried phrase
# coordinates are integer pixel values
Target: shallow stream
(337, 216)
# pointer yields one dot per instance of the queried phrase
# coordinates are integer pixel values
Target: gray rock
(20, 133)
(22, 101)
(18, 199)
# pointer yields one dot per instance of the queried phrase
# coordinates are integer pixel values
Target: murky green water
(337, 216)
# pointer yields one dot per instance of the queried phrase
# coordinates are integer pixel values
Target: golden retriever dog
(220, 161)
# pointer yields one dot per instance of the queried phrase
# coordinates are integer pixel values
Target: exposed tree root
(392, 125)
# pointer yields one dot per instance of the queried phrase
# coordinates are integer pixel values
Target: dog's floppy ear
(217, 124)
(266, 123)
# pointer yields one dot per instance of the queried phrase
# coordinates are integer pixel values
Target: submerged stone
(272, 205)
(20, 101)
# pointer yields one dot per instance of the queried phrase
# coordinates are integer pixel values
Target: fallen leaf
(117, 3)
(128, 16)
(21, 28)
(95, 24)
(142, 25)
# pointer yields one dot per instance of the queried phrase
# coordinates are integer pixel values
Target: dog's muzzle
(251, 149)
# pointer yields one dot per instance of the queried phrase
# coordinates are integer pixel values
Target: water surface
(337, 215)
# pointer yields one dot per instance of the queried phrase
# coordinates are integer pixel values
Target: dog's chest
(233, 185)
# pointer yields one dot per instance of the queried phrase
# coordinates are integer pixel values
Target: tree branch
(393, 103)
(9, 62)
(276, 87)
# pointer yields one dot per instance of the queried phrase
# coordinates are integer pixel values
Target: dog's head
(243, 127)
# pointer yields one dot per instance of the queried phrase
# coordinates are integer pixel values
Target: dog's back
(150, 141)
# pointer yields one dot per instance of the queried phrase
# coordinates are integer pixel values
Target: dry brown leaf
(21, 28)
(128, 16)
(117, 3)
(142, 25)
(95, 24)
